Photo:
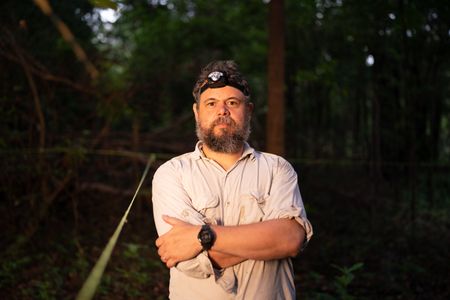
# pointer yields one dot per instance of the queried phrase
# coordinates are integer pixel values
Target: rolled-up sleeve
(285, 200)
(170, 198)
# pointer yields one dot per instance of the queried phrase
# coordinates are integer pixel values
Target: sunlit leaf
(104, 4)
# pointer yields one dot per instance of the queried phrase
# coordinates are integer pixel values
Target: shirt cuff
(201, 267)
(197, 267)
(295, 213)
(308, 230)
(226, 279)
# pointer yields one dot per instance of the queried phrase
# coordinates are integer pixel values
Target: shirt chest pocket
(251, 209)
(208, 206)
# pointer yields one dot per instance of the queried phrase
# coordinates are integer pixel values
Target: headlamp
(218, 79)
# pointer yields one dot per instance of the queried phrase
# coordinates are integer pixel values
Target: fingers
(158, 242)
(160, 252)
(163, 256)
(169, 262)
(172, 245)
(171, 220)
(167, 219)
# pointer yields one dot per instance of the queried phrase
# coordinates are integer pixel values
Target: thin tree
(275, 99)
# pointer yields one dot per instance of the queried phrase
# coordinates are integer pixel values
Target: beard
(230, 140)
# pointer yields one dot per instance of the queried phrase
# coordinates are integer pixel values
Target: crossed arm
(267, 240)
(279, 236)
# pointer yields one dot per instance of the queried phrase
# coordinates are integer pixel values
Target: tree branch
(36, 68)
(68, 37)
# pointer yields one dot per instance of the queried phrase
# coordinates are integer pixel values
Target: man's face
(223, 119)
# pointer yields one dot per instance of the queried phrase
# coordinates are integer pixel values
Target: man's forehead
(223, 93)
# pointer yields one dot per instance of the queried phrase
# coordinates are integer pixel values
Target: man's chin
(221, 131)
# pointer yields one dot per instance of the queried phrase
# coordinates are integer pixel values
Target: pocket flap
(203, 202)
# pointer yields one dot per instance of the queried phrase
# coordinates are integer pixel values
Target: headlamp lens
(215, 76)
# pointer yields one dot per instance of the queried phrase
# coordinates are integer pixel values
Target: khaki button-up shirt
(259, 187)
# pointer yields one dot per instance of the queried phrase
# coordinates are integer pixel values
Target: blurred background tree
(366, 94)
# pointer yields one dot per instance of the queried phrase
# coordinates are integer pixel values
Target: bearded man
(229, 218)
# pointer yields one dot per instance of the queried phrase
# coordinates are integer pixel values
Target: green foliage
(339, 287)
(329, 83)
(343, 280)
(104, 4)
(134, 273)
(161, 47)
(10, 268)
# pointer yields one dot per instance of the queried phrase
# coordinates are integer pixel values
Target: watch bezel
(206, 237)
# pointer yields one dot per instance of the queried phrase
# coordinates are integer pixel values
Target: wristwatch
(206, 237)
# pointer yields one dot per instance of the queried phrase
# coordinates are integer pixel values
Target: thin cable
(93, 280)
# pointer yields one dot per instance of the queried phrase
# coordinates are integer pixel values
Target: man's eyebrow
(210, 98)
(229, 98)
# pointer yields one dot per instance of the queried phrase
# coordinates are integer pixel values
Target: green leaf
(356, 266)
(104, 4)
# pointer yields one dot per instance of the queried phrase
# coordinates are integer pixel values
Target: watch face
(205, 237)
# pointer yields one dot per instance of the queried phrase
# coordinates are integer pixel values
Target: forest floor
(367, 244)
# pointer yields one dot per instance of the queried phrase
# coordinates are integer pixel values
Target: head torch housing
(218, 79)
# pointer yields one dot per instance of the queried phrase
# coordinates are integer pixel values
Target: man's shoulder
(176, 162)
(276, 163)
(271, 157)
(179, 159)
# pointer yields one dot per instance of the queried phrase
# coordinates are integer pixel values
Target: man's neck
(225, 160)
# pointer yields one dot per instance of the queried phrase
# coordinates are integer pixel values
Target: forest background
(363, 117)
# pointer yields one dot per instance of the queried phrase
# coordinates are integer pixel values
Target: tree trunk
(275, 113)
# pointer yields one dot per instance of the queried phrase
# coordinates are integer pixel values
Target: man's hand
(180, 243)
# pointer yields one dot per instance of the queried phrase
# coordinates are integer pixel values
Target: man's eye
(233, 103)
(210, 104)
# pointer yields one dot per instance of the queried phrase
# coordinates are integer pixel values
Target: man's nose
(223, 109)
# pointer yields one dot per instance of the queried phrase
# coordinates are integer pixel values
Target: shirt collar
(248, 151)
(198, 153)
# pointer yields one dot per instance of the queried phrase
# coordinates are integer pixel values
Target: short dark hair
(230, 68)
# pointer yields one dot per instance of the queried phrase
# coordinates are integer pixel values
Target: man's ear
(195, 109)
(250, 107)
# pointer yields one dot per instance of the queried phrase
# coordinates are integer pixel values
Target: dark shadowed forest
(91, 89)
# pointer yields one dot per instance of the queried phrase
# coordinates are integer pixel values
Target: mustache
(224, 120)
